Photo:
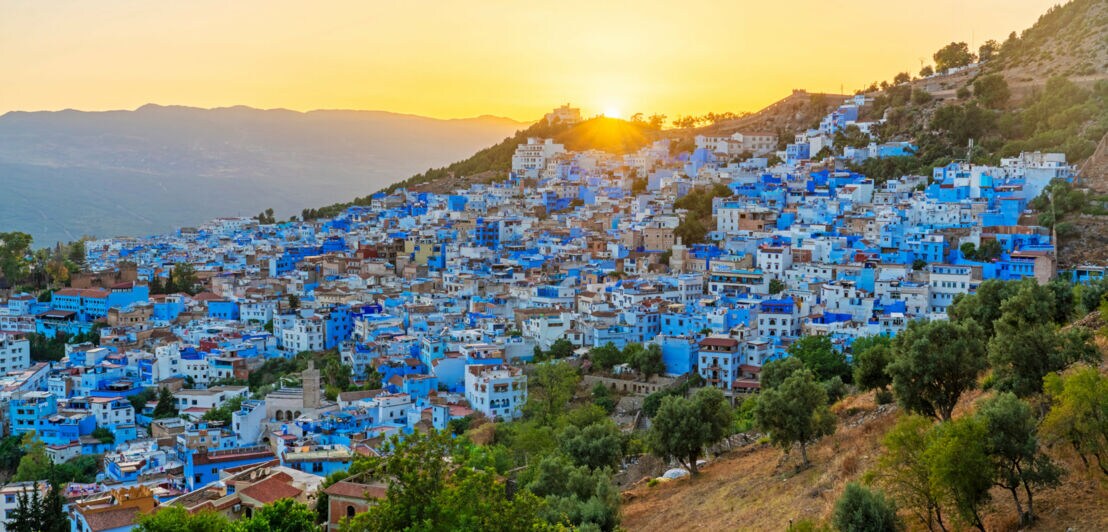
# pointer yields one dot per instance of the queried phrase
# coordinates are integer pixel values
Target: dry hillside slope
(756, 487)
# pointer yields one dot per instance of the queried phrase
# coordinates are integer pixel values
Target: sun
(612, 112)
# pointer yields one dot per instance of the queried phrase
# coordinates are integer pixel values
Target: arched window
(280, 416)
(349, 511)
(288, 415)
(297, 415)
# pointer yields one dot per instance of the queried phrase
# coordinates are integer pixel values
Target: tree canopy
(934, 362)
(683, 427)
(795, 412)
(953, 55)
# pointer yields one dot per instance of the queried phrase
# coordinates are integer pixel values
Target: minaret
(310, 379)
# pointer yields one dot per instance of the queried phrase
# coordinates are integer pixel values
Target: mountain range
(72, 173)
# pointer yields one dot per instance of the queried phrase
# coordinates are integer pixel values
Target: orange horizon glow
(498, 57)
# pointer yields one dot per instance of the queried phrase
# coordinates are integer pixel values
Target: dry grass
(756, 487)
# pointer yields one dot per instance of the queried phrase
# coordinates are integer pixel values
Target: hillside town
(226, 366)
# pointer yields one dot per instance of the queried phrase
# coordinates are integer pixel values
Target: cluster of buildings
(446, 297)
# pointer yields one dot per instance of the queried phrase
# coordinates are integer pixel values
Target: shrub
(862, 510)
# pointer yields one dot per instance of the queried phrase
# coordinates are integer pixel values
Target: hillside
(612, 135)
(794, 113)
(156, 168)
(1069, 40)
(756, 487)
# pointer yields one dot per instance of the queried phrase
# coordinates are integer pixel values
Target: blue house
(202, 466)
(679, 354)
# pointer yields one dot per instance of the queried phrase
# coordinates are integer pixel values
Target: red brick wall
(336, 509)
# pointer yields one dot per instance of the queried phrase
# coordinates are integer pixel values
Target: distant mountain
(69, 173)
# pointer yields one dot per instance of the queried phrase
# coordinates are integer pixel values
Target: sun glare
(612, 112)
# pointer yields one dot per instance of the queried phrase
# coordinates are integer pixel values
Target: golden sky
(457, 59)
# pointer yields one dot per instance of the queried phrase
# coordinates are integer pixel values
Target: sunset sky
(458, 59)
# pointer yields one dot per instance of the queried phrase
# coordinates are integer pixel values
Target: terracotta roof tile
(111, 519)
(271, 489)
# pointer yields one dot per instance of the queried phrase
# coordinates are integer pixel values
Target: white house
(495, 390)
(947, 281)
(15, 353)
(303, 334)
(530, 158)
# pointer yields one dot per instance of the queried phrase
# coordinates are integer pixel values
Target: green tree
(561, 348)
(322, 500)
(691, 230)
(607, 356)
(968, 250)
(222, 414)
(850, 136)
(11, 451)
(595, 446)
(35, 464)
(1027, 346)
(645, 360)
(953, 55)
(776, 286)
(683, 427)
(992, 91)
(1079, 413)
(82, 469)
(574, 495)
(901, 78)
(983, 306)
(988, 50)
(294, 301)
(53, 515)
(428, 491)
(863, 510)
(934, 362)
(138, 401)
(957, 124)
(27, 515)
(921, 97)
(282, 515)
(550, 390)
(926, 71)
(872, 355)
(905, 472)
(818, 355)
(167, 405)
(776, 371)
(15, 251)
(104, 434)
(795, 413)
(1012, 444)
(602, 397)
(177, 519)
(183, 278)
(961, 467)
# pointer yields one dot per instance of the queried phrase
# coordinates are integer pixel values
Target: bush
(835, 389)
(992, 91)
(883, 397)
(862, 510)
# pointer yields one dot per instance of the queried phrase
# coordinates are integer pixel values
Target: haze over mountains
(73, 173)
